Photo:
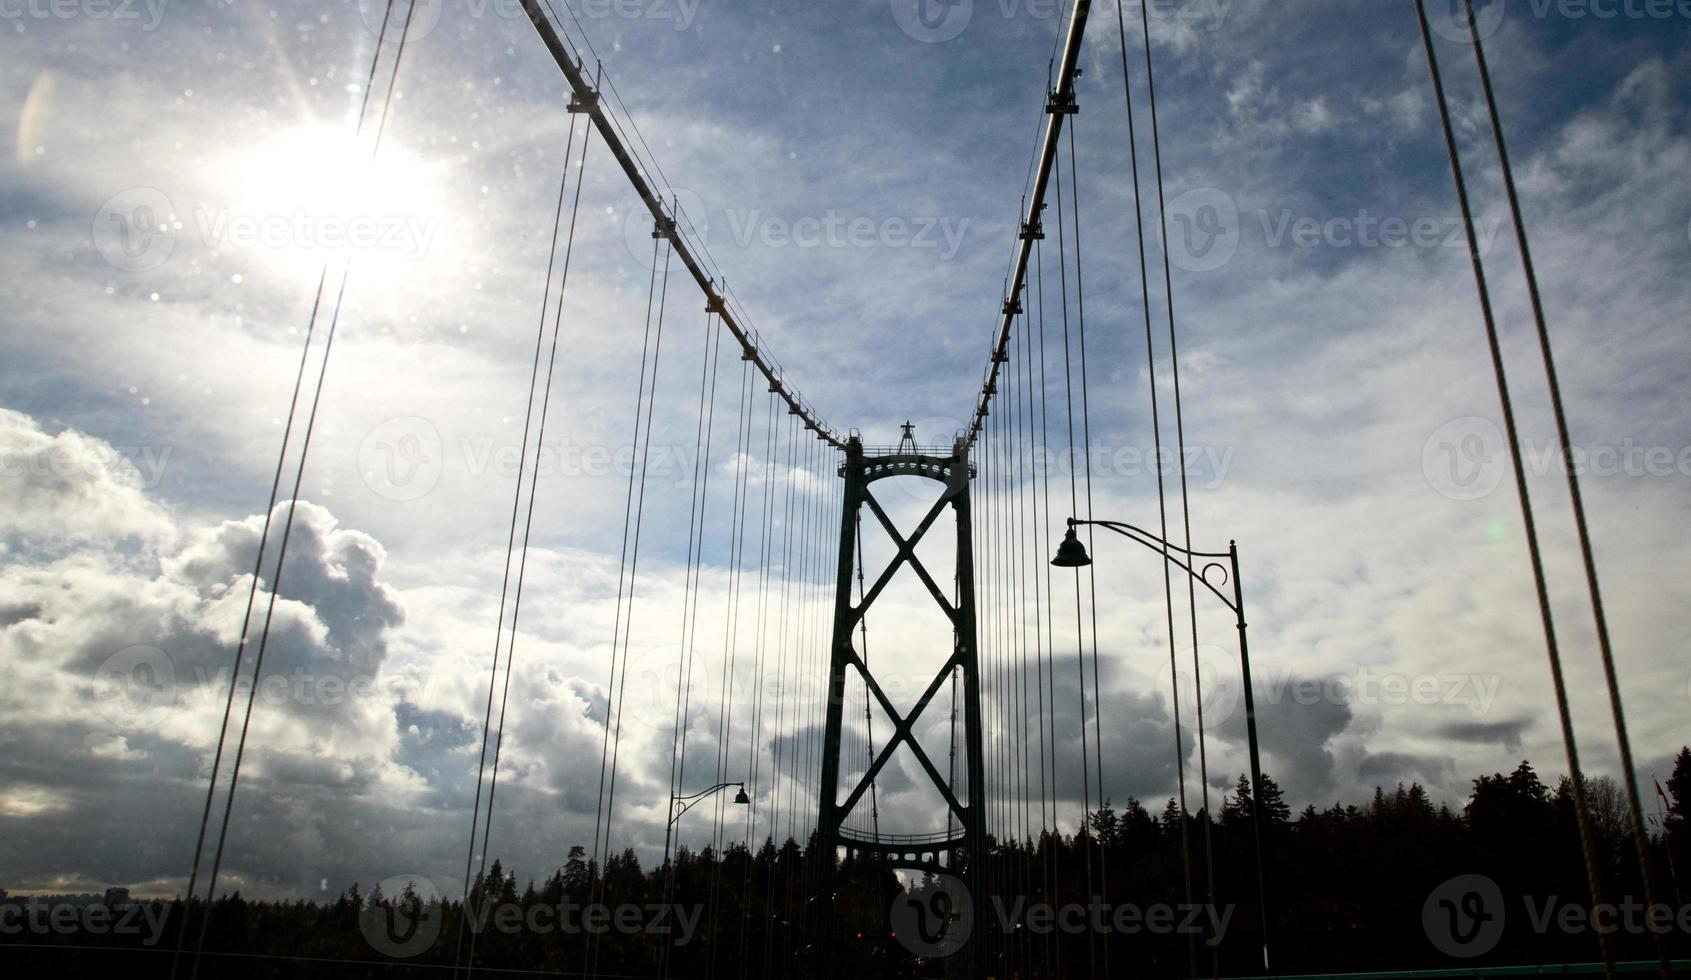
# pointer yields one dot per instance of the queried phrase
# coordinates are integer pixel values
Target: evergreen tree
(1679, 795)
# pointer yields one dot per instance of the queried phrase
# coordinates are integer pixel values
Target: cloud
(149, 404)
(69, 488)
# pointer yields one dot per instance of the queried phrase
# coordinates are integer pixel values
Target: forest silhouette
(1350, 888)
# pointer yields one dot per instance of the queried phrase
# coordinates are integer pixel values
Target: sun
(314, 193)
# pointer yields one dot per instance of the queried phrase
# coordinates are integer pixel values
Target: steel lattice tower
(964, 849)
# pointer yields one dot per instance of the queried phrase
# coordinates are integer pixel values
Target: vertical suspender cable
(246, 624)
(868, 713)
(1576, 775)
(1074, 506)
(287, 527)
(1041, 463)
(645, 450)
(258, 558)
(731, 644)
(264, 633)
(783, 654)
(1091, 578)
(623, 586)
(690, 623)
(1162, 504)
(1048, 712)
(511, 540)
(1185, 496)
(522, 567)
(755, 733)
(1017, 519)
(1605, 649)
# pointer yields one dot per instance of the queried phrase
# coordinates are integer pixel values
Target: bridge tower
(961, 850)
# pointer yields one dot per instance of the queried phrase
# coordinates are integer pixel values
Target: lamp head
(741, 798)
(1071, 553)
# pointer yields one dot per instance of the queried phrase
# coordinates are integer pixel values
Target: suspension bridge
(1007, 697)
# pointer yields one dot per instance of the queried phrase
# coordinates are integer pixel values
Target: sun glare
(313, 194)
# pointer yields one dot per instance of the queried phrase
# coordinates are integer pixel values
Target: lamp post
(1072, 554)
(679, 805)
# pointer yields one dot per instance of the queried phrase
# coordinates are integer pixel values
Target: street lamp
(1072, 554)
(681, 804)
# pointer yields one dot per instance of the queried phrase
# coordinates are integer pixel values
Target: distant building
(116, 897)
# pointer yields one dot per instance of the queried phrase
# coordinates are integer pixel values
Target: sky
(184, 171)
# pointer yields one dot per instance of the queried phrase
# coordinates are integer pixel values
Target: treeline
(1349, 888)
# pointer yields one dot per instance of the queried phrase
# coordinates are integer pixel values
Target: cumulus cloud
(1319, 373)
(118, 646)
(68, 488)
